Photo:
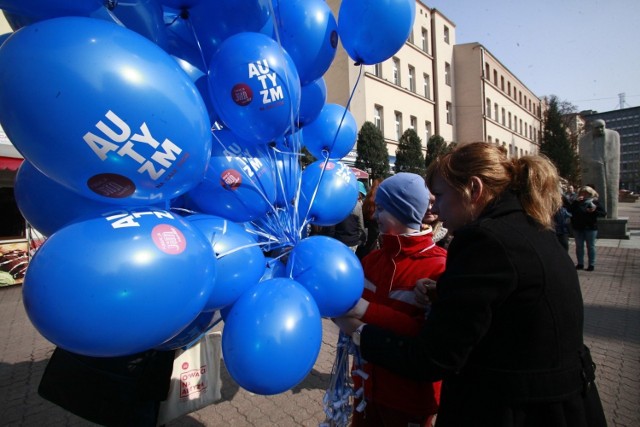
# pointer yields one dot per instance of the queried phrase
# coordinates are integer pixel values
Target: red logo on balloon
(242, 94)
(231, 179)
(169, 239)
(111, 185)
(330, 165)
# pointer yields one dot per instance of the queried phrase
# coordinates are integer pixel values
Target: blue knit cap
(405, 196)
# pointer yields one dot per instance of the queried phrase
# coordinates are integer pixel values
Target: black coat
(505, 334)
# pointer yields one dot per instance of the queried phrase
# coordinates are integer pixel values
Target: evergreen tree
(409, 157)
(558, 143)
(436, 146)
(373, 155)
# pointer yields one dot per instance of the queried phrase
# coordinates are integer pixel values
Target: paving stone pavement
(612, 330)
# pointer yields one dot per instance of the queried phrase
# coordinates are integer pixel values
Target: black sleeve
(478, 277)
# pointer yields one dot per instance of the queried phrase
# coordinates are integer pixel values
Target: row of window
(378, 120)
(426, 78)
(512, 149)
(424, 41)
(517, 95)
(515, 125)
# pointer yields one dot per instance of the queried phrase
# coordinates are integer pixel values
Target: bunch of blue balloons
(162, 141)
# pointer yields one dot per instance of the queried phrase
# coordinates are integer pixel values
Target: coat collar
(407, 244)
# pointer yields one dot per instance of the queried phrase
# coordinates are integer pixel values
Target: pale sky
(585, 52)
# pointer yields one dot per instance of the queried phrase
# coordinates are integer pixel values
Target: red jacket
(390, 277)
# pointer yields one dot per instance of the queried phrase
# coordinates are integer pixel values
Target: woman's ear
(477, 188)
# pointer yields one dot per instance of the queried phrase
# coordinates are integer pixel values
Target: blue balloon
(47, 205)
(119, 284)
(272, 337)
(145, 17)
(312, 100)
(215, 21)
(332, 134)
(327, 197)
(37, 10)
(240, 264)
(309, 33)
(330, 271)
(239, 183)
(255, 87)
(139, 139)
(372, 31)
(193, 332)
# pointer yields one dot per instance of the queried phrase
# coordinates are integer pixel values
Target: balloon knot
(184, 14)
(111, 4)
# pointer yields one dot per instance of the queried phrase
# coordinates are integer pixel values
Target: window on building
(495, 110)
(495, 77)
(396, 71)
(487, 71)
(489, 138)
(378, 117)
(503, 116)
(426, 84)
(410, 39)
(488, 110)
(526, 133)
(427, 130)
(412, 79)
(398, 116)
(515, 123)
(413, 122)
(509, 120)
(449, 113)
(446, 34)
(509, 88)
(447, 73)
(425, 40)
(502, 83)
(377, 69)
(520, 124)
(520, 97)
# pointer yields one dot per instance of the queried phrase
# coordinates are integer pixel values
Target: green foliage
(558, 143)
(436, 146)
(409, 157)
(373, 155)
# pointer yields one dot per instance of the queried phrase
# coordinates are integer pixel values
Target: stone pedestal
(613, 228)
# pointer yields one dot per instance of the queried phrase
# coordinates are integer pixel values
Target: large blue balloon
(332, 134)
(119, 121)
(255, 87)
(239, 183)
(215, 21)
(327, 197)
(309, 33)
(330, 271)
(312, 100)
(241, 262)
(272, 336)
(119, 284)
(47, 205)
(372, 31)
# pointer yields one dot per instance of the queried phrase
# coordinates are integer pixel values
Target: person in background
(504, 332)
(561, 220)
(350, 230)
(370, 223)
(406, 255)
(585, 211)
(430, 220)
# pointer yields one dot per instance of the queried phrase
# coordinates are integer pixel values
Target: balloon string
(326, 160)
